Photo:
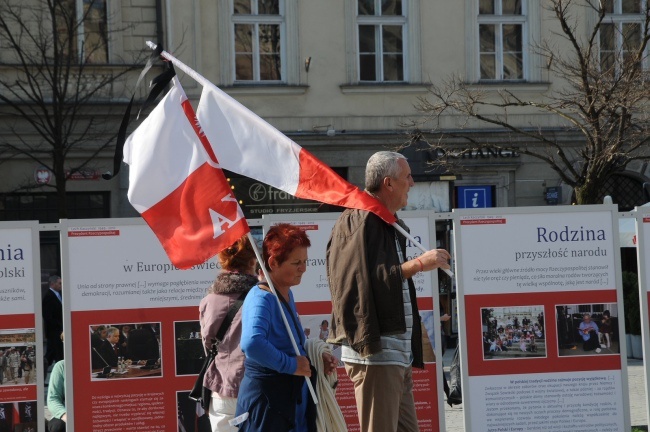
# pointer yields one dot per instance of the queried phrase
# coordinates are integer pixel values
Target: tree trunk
(60, 178)
(62, 202)
(588, 193)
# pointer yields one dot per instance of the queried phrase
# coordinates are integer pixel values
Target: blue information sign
(474, 196)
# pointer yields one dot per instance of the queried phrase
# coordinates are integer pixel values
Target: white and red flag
(177, 185)
(246, 144)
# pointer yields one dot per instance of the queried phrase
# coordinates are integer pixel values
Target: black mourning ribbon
(158, 84)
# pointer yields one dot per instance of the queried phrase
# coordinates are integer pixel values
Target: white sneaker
(603, 346)
(597, 350)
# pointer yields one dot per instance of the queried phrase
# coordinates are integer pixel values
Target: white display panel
(314, 305)
(538, 290)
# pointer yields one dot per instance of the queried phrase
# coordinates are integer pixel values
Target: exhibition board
(117, 275)
(313, 301)
(541, 318)
(21, 334)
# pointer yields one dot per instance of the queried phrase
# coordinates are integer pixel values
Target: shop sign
(479, 153)
(83, 174)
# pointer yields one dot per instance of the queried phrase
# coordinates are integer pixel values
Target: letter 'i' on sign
(218, 219)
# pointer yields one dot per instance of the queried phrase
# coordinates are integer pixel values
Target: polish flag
(247, 145)
(177, 185)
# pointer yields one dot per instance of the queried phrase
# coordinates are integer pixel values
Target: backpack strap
(227, 320)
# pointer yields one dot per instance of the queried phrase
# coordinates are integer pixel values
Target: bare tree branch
(599, 101)
(55, 86)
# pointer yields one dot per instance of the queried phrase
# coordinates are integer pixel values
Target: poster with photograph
(587, 329)
(123, 351)
(190, 354)
(313, 302)
(513, 332)
(134, 340)
(19, 416)
(539, 301)
(21, 336)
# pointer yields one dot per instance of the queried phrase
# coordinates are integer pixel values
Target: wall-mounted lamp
(307, 64)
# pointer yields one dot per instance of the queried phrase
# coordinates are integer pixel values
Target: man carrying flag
(374, 306)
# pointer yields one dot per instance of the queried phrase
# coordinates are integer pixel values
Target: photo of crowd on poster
(189, 353)
(513, 332)
(17, 357)
(18, 417)
(125, 350)
(587, 329)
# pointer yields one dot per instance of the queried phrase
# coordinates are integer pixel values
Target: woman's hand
(303, 368)
(329, 363)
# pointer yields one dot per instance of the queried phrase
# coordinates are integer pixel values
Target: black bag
(199, 393)
(453, 390)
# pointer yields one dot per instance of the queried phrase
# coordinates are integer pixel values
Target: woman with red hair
(225, 373)
(273, 395)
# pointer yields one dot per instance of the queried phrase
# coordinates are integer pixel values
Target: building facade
(343, 79)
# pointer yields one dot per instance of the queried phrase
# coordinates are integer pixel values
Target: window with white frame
(621, 33)
(87, 22)
(258, 28)
(502, 32)
(381, 27)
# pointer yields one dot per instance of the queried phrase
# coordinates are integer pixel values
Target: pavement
(636, 382)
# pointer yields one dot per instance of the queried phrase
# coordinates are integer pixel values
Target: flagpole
(418, 244)
(284, 318)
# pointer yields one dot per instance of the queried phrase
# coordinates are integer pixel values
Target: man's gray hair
(53, 279)
(112, 330)
(381, 165)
